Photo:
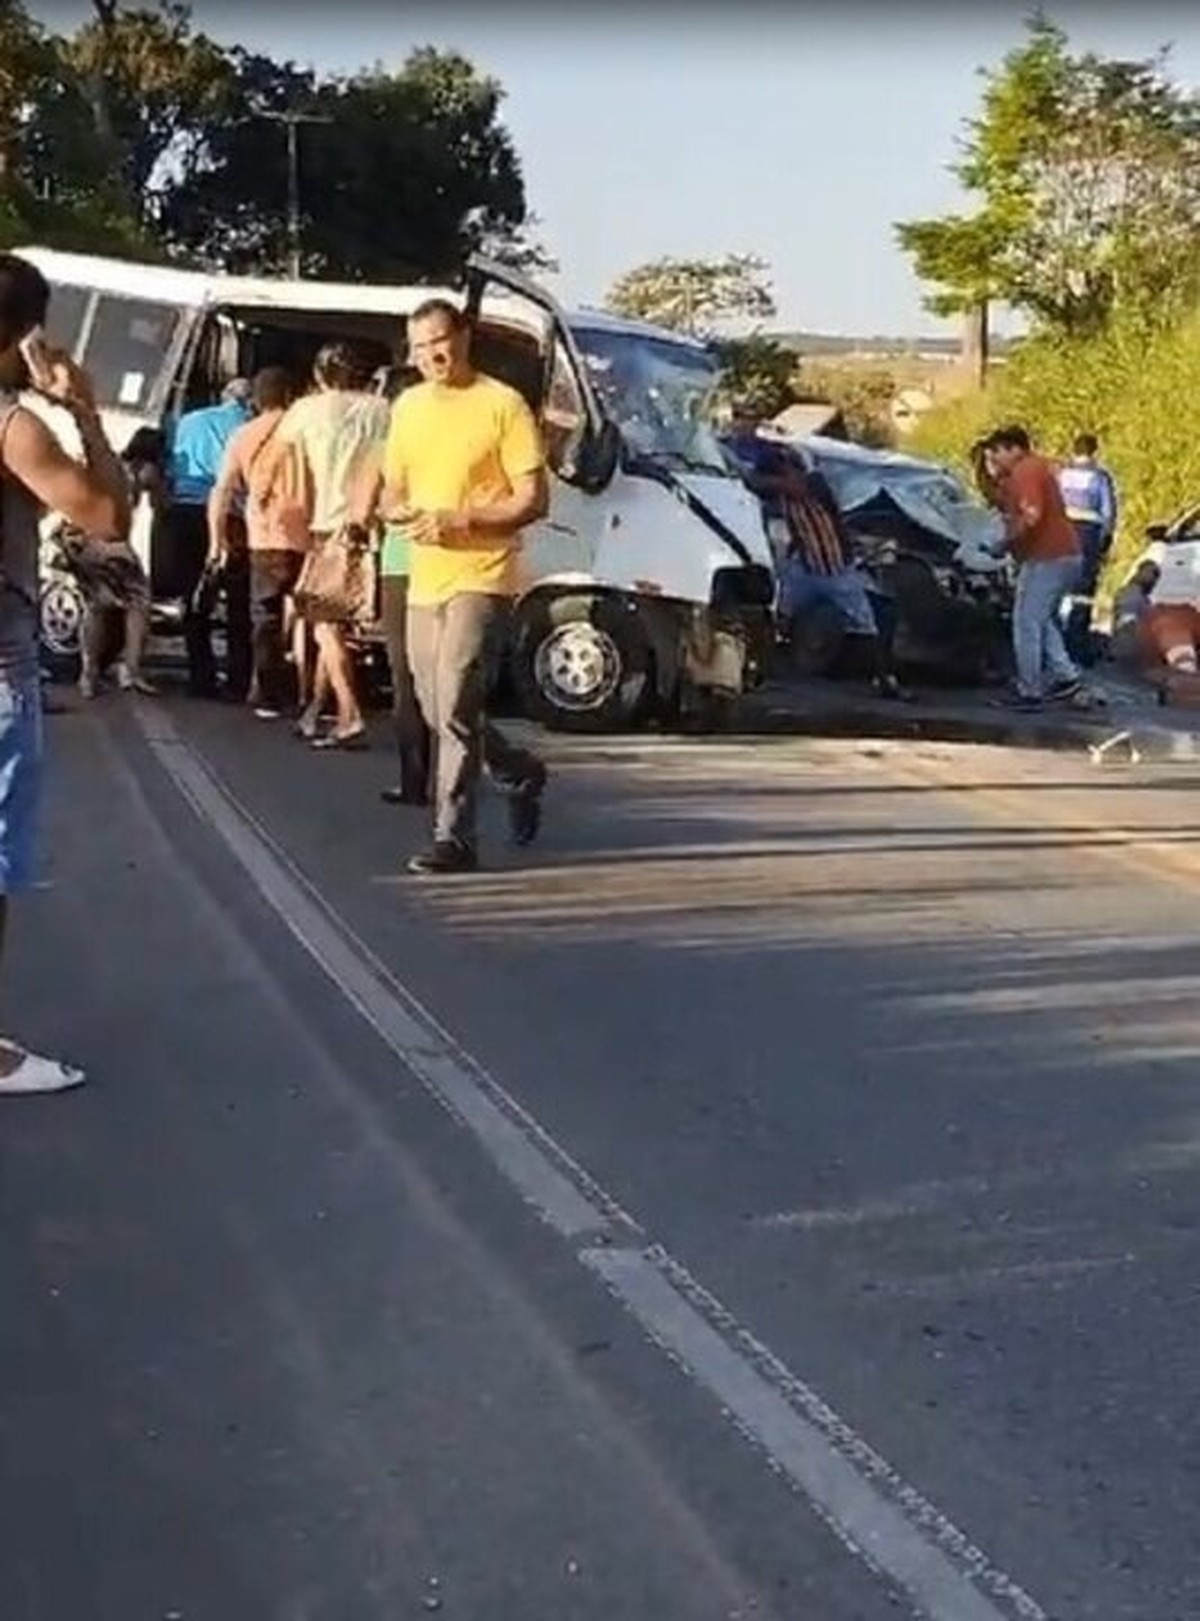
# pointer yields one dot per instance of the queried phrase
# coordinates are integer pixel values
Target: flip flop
(35, 1075)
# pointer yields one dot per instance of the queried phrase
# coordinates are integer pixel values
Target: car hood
(928, 494)
(729, 501)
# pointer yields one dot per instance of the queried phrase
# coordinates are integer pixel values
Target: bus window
(128, 348)
(64, 322)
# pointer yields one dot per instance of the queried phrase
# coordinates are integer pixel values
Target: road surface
(775, 1198)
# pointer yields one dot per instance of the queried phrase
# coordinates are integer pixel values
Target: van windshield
(660, 393)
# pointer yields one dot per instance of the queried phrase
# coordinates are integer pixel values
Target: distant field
(828, 346)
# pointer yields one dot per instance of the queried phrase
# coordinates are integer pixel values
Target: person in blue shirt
(195, 451)
(1090, 497)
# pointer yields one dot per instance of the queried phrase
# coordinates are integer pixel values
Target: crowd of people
(305, 513)
(272, 498)
(1062, 519)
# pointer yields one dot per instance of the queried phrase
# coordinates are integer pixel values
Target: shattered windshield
(660, 394)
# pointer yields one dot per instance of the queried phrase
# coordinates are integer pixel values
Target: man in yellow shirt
(464, 472)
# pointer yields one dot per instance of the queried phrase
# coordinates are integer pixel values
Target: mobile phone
(35, 351)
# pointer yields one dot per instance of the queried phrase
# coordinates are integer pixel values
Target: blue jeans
(848, 592)
(1041, 654)
(20, 778)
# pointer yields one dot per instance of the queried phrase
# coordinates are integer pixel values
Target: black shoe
(525, 809)
(445, 858)
(401, 794)
(889, 687)
(1021, 703)
(1065, 691)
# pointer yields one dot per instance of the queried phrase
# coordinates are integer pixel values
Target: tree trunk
(976, 342)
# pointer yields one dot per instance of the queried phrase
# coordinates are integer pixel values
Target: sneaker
(265, 712)
(890, 687)
(445, 858)
(39, 1075)
(1023, 703)
(1065, 691)
(525, 809)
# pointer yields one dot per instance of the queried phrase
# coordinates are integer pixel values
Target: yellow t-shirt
(449, 449)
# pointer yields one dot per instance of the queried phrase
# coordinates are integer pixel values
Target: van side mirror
(1156, 531)
(597, 457)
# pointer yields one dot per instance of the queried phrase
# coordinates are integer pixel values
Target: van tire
(61, 612)
(582, 663)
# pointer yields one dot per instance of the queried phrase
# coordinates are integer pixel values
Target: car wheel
(582, 664)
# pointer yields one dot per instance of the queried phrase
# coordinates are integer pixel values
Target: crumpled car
(927, 542)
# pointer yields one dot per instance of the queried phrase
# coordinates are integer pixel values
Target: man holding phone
(92, 496)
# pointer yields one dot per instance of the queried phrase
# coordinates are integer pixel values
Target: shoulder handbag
(336, 583)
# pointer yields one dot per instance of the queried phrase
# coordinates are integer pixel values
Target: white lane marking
(512, 1140)
(868, 1522)
(899, 1535)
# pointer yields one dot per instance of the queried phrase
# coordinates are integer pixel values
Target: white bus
(650, 580)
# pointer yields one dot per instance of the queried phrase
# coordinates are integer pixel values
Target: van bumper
(727, 644)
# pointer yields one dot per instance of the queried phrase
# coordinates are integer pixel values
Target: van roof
(173, 285)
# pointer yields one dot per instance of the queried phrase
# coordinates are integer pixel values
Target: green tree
(863, 394)
(695, 295)
(401, 178)
(1086, 176)
(757, 371)
(52, 190)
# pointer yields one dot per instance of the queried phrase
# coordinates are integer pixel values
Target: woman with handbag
(332, 429)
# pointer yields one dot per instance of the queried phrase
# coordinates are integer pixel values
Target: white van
(649, 581)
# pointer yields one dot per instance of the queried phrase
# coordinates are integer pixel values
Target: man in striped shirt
(819, 564)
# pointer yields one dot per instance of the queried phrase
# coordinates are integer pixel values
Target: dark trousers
(1093, 548)
(453, 647)
(273, 576)
(412, 735)
(188, 537)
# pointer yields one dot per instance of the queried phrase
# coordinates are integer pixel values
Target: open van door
(587, 453)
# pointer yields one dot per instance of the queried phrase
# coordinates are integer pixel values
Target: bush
(1131, 388)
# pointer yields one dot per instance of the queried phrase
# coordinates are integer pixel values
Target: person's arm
(1108, 504)
(366, 488)
(230, 480)
(1026, 506)
(92, 495)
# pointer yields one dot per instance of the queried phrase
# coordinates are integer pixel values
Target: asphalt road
(777, 1197)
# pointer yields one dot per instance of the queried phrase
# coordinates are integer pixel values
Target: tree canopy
(1085, 173)
(138, 133)
(695, 295)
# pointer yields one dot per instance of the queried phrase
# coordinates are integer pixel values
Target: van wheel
(60, 625)
(582, 664)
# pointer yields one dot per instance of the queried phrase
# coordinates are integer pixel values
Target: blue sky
(799, 133)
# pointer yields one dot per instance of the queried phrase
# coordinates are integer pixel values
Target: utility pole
(291, 119)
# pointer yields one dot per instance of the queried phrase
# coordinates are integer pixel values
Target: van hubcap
(578, 667)
(61, 618)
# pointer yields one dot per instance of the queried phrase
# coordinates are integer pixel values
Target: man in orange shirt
(1045, 545)
(276, 535)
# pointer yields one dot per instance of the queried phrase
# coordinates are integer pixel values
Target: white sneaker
(34, 1074)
